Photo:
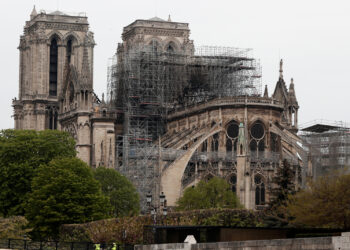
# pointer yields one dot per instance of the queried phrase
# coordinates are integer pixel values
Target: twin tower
(56, 84)
(209, 123)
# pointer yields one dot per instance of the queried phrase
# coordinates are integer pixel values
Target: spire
(291, 86)
(33, 14)
(291, 93)
(266, 93)
(169, 19)
(281, 69)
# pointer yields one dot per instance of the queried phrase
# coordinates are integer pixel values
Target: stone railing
(225, 101)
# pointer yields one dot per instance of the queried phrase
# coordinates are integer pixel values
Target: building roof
(58, 13)
(156, 19)
(320, 128)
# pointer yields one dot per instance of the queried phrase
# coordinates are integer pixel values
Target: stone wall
(331, 243)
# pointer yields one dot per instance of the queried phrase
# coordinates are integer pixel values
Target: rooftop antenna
(57, 4)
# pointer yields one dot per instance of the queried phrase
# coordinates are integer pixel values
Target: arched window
(259, 190)
(215, 143)
(233, 182)
(170, 47)
(257, 133)
(53, 68)
(69, 50)
(52, 116)
(231, 136)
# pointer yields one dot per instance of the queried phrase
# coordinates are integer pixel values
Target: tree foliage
(325, 203)
(21, 152)
(122, 194)
(283, 185)
(64, 191)
(112, 230)
(215, 193)
(14, 227)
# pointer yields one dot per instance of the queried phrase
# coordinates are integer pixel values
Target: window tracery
(259, 190)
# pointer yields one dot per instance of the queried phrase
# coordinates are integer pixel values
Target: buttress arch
(172, 175)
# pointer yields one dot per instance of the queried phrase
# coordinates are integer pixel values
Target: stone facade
(242, 138)
(56, 85)
(327, 243)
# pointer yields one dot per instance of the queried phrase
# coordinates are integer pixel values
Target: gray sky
(312, 37)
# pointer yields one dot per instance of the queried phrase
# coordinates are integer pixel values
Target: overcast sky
(312, 37)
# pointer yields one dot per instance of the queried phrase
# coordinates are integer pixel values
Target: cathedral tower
(51, 42)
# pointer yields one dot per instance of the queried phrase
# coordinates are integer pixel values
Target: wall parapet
(225, 101)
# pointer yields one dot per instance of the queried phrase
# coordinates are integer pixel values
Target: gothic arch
(257, 136)
(55, 34)
(260, 189)
(172, 175)
(70, 35)
(154, 38)
(173, 42)
(256, 120)
(71, 77)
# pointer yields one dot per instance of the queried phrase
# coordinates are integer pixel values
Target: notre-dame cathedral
(174, 113)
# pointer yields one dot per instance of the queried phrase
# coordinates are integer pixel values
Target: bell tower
(50, 42)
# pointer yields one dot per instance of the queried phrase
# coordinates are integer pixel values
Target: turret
(266, 93)
(33, 14)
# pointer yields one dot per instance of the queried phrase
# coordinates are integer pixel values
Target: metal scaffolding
(145, 84)
(327, 144)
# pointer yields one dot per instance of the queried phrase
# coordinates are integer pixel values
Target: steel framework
(144, 84)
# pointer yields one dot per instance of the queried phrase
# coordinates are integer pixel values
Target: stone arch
(257, 137)
(172, 175)
(172, 42)
(260, 189)
(70, 35)
(55, 34)
(189, 174)
(255, 120)
(183, 141)
(154, 38)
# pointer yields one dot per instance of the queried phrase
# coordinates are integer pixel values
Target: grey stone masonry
(330, 243)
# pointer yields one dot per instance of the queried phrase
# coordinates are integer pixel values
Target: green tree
(64, 191)
(283, 186)
(21, 152)
(122, 194)
(215, 193)
(325, 203)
